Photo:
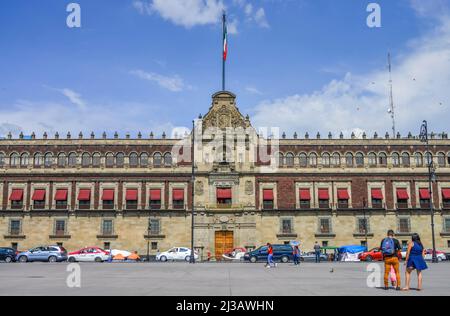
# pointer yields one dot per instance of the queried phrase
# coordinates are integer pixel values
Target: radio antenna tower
(391, 97)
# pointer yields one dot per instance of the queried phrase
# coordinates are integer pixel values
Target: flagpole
(224, 21)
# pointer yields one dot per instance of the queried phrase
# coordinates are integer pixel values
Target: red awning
(131, 195)
(446, 194)
(178, 194)
(61, 195)
(424, 194)
(155, 195)
(268, 195)
(16, 195)
(108, 195)
(323, 194)
(402, 194)
(38, 195)
(343, 194)
(84, 195)
(224, 193)
(377, 194)
(305, 195)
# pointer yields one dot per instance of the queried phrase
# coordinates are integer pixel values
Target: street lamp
(192, 258)
(431, 179)
(365, 222)
(148, 239)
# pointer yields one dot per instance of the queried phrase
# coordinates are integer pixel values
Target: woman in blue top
(415, 261)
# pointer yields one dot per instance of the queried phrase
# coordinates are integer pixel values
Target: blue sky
(152, 65)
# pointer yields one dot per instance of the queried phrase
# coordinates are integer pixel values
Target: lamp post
(365, 223)
(431, 179)
(192, 258)
(148, 239)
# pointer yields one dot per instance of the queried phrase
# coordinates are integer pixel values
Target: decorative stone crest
(199, 188)
(249, 187)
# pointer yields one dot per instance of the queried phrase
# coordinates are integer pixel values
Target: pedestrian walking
(296, 254)
(270, 262)
(389, 249)
(317, 249)
(415, 261)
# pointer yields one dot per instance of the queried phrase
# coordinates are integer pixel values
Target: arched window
(168, 159)
(280, 159)
(72, 160)
(428, 158)
(290, 160)
(157, 160)
(419, 159)
(24, 160)
(349, 160)
(303, 160)
(120, 159)
(109, 160)
(395, 159)
(326, 159)
(2, 160)
(312, 160)
(62, 160)
(359, 159)
(441, 160)
(14, 160)
(336, 161)
(48, 160)
(37, 160)
(96, 160)
(372, 159)
(406, 162)
(382, 159)
(133, 160)
(144, 160)
(86, 160)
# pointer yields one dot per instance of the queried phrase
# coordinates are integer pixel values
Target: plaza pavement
(207, 279)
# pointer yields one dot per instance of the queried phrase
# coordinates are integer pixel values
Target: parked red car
(374, 254)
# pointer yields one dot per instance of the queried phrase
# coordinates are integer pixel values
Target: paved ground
(206, 279)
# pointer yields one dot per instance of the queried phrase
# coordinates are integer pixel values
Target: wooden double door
(224, 242)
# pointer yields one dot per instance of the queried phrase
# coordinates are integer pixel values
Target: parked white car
(429, 255)
(89, 254)
(176, 254)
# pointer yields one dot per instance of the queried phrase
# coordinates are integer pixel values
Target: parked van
(282, 253)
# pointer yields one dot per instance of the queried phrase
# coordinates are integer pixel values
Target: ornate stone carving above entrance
(224, 113)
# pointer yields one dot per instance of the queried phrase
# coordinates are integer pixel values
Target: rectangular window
(107, 245)
(155, 199)
(324, 199)
(405, 243)
(404, 225)
(446, 198)
(224, 197)
(84, 199)
(286, 226)
(154, 226)
(178, 199)
(108, 199)
(60, 227)
(325, 226)
(402, 198)
(363, 226)
(131, 198)
(15, 227)
(448, 241)
(305, 199)
(16, 199)
(325, 243)
(447, 225)
(15, 246)
(343, 198)
(363, 243)
(268, 199)
(154, 245)
(107, 227)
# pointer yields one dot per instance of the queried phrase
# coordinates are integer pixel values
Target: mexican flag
(225, 39)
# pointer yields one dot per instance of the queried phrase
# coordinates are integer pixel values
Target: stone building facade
(136, 194)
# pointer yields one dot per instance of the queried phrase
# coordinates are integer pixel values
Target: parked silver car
(43, 254)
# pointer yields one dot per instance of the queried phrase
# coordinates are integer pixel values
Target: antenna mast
(391, 96)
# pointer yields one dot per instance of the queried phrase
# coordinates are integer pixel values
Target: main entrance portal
(224, 242)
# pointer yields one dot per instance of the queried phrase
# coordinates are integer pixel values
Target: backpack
(388, 247)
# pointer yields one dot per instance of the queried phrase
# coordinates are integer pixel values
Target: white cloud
(74, 97)
(260, 18)
(187, 13)
(360, 102)
(51, 117)
(174, 83)
(253, 90)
